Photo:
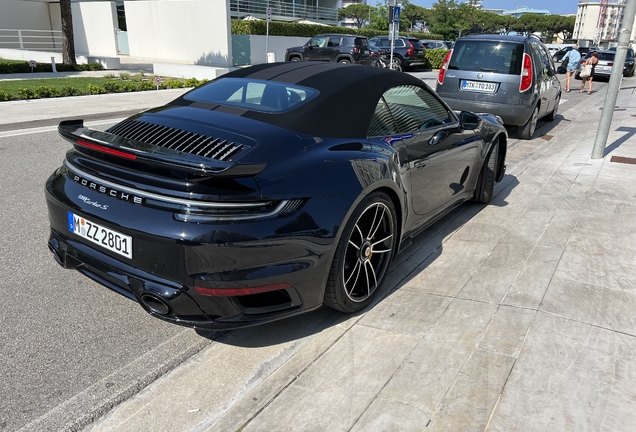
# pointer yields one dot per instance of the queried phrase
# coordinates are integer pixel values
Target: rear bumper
(172, 258)
(512, 115)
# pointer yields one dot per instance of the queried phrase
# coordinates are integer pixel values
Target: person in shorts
(572, 59)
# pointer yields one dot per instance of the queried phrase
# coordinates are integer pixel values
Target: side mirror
(469, 120)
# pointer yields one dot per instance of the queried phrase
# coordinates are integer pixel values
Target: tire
(294, 59)
(344, 61)
(553, 115)
(363, 255)
(486, 183)
(527, 130)
(396, 65)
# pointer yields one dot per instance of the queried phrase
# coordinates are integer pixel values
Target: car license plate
(105, 237)
(479, 86)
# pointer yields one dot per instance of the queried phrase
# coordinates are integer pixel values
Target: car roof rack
(537, 36)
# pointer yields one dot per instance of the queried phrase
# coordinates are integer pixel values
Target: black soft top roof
(348, 95)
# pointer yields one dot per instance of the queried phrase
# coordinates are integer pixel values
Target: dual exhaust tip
(151, 301)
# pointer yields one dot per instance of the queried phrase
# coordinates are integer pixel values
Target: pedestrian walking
(571, 62)
(592, 62)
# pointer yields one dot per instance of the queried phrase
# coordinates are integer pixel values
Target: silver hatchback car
(512, 77)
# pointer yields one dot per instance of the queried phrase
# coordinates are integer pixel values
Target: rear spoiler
(84, 138)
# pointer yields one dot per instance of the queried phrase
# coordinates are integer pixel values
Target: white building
(601, 32)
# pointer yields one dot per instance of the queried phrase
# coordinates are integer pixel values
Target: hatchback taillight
(526, 74)
(411, 49)
(610, 64)
(442, 70)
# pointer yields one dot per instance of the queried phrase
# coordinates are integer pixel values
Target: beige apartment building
(590, 30)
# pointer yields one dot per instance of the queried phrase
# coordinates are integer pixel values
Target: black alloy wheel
(294, 59)
(344, 61)
(363, 255)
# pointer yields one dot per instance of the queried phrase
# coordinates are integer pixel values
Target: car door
(332, 48)
(437, 152)
(315, 47)
(541, 73)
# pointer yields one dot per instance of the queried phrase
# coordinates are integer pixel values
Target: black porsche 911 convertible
(267, 192)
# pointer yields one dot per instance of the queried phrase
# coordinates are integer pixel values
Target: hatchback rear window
(487, 56)
(606, 56)
(257, 95)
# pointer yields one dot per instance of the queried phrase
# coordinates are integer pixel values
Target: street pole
(624, 34)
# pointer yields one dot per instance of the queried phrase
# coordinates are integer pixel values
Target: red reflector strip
(103, 149)
(232, 292)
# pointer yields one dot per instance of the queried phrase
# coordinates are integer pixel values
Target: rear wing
(85, 140)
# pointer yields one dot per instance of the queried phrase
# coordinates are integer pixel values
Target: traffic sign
(269, 14)
(396, 14)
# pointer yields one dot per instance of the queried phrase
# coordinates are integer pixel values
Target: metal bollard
(53, 64)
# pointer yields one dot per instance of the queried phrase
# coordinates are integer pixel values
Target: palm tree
(68, 42)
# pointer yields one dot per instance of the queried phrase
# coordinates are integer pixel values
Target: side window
(399, 43)
(317, 41)
(382, 123)
(546, 58)
(412, 108)
(536, 58)
(333, 42)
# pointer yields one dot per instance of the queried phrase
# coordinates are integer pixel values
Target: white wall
(94, 26)
(188, 31)
(277, 45)
(22, 14)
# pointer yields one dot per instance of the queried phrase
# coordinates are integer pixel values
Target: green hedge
(23, 67)
(281, 28)
(117, 86)
(435, 58)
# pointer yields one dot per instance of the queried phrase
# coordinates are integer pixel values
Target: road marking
(19, 132)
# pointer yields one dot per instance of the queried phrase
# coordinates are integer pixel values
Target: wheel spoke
(354, 245)
(359, 267)
(375, 280)
(372, 234)
(380, 241)
(367, 277)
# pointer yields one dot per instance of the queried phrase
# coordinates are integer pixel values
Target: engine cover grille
(177, 139)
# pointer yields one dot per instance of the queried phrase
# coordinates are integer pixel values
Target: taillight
(233, 292)
(410, 51)
(107, 150)
(610, 64)
(526, 73)
(356, 49)
(442, 70)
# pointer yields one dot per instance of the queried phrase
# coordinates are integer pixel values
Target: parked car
(559, 54)
(266, 192)
(606, 64)
(510, 76)
(434, 44)
(341, 48)
(408, 51)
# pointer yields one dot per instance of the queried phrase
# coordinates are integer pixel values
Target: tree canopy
(453, 18)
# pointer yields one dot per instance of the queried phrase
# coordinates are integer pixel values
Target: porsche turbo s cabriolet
(267, 192)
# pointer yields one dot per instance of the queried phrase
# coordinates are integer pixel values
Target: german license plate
(105, 237)
(479, 86)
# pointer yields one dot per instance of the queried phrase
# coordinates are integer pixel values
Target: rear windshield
(487, 56)
(416, 43)
(605, 56)
(257, 95)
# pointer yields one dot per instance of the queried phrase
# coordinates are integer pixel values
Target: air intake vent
(177, 139)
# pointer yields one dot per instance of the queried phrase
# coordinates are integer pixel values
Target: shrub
(137, 77)
(128, 86)
(435, 58)
(173, 84)
(45, 92)
(4, 96)
(146, 85)
(112, 87)
(109, 75)
(124, 76)
(280, 28)
(95, 89)
(70, 91)
(25, 93)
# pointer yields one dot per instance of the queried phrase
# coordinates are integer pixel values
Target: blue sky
(555, 7)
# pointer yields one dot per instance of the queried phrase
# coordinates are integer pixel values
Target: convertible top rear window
(257, 95)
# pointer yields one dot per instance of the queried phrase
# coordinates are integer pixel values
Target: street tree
(359, 13)
(68, 41)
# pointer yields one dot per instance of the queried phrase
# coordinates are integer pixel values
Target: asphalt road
(71, 349)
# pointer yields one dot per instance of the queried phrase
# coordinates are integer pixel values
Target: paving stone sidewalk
(515, 316)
